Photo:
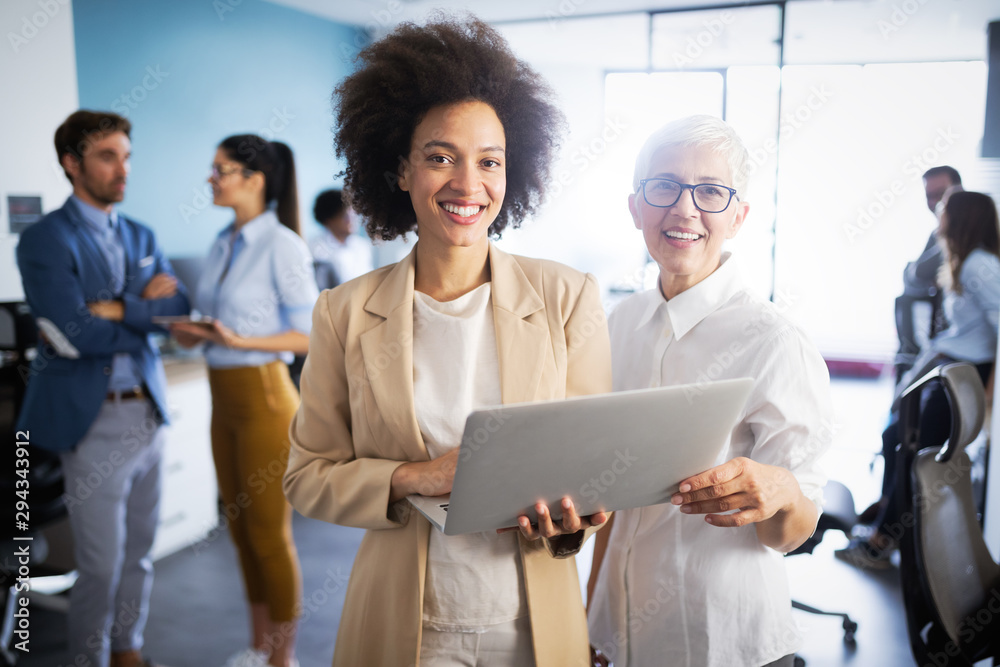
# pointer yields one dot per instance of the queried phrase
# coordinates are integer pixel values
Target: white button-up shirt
(351, 258)
(674, 590)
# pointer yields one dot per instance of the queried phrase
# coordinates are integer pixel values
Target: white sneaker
(250, 657)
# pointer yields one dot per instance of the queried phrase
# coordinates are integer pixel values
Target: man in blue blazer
(96, 390)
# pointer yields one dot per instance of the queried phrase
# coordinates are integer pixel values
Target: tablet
(181, 319)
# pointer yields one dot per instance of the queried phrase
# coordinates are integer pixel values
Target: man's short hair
(83, 127)
(329, 204)
(700, 130)
(944, 170)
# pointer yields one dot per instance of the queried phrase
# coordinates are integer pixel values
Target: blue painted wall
(188, 73)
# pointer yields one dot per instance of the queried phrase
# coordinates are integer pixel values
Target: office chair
(838, 515)
(18, 336)
(951, 585)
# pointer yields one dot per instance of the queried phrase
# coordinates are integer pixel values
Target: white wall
(987, 179)
(584, 221)
(38, 80)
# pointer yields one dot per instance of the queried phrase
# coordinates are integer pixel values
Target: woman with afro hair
(446, 134)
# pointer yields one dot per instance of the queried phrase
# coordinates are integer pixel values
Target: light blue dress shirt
(105, 230)
(258, 281)
(973, 314)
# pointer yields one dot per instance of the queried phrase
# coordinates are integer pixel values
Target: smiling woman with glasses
(729, 603)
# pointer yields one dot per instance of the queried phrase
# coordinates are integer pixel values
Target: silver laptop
(606, 452)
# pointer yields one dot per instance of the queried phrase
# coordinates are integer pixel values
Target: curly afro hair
(416, 68)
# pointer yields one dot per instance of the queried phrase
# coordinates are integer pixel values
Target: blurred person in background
(94, 279)
(258, 288)
(970, 274)
(919, 309)
(337, 245)
(920, 280)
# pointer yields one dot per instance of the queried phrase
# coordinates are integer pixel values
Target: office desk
(188, 504)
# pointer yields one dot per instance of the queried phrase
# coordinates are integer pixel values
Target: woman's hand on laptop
(570, 523)
(425, 478)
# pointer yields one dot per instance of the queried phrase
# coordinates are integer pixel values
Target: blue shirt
(974, 313)
(258, 281)
(105, 230)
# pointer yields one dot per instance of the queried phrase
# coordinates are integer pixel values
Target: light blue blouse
(973, 314)
(258, 281)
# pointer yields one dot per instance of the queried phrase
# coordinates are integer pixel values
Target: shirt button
(107, 370)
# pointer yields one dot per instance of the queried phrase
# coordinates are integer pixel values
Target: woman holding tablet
(258, 288)
(446, 134)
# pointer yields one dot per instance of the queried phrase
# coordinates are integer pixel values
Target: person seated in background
(921, 288)
(339, 254)
(970, 274)
(95, 280)
(920, 280)
(258, 288)
(716, 576)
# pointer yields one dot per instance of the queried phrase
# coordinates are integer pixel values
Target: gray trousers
(113, 495)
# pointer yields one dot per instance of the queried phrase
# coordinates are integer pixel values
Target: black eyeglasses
(219, 172)
(707, 197)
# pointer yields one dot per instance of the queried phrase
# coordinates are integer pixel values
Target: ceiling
(818, 31)
(386, 13)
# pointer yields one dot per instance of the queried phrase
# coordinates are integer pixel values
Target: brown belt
(127, 394)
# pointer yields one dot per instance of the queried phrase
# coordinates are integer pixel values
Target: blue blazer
(63, 270)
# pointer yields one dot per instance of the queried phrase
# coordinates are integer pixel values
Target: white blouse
(473, 581)
(674, 590)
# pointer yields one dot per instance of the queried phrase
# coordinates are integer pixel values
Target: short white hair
(701, 130)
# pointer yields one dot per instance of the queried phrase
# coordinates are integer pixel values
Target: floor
(198, 617)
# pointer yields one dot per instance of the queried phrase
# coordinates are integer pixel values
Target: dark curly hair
(416, 68)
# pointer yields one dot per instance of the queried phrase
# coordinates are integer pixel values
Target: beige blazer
(356, 424)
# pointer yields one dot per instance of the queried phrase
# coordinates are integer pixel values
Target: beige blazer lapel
(521, 343)
(387, 349)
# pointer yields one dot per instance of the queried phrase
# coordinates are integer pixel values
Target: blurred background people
(970, 274)
(97, 392)
(919, 316)
(258, 288)
(337, 246)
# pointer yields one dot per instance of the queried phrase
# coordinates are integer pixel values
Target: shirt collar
(95, 217)
(653, 302)
(253, 229)
(696, 303)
